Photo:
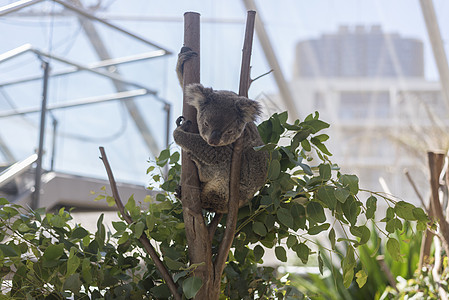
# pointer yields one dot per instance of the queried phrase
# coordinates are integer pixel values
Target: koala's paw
(183, 124)
(185, 54)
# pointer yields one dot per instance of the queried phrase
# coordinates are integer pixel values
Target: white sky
(287, 22)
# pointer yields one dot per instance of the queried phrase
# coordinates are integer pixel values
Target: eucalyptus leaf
(191, 286)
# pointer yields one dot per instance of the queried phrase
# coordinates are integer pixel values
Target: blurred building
(384, 115)
(360, 52)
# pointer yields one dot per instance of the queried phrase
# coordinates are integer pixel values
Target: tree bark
(198, 235)
(200, 250)
(436, 162)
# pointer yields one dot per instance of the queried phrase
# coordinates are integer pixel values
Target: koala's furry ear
(249, 109)
(197, 95)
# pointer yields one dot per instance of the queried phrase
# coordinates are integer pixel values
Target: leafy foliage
(305, 195)
(329, 285)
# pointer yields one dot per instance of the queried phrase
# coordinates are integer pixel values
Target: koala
(222, 117)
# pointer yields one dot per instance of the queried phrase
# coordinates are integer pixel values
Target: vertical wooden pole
(436, 162)
(196, 230)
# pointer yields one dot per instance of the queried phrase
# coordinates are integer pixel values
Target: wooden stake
(199, 247)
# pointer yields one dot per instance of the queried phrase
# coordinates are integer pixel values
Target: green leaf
(138, 229)
(325, 172)
(371, 206)
(161, 291)
(123, 238)
(274, 169)
(283, 116)
(394, 249)
(298, 138)
(8, 250)
(299, 215)
(302, 251)
(285, 217)
(119, 226)
(259, 228)
(362, 232)
(404, 210)
(315, 125)
(322, 137)
(179, 275)
(174, 158)
(73, 262)
(3, 201)
(318, 228)
(420, 215)
(79, 233)
(350, 181)
(306, 145)
(351, 209)
(341, 194)
(86, 270)
(327, 195)
(421, 226)
(291, 241)
(393, 224)
(315, 212)
(258, 252)
(73, 283)
(320, 146)
(173, 264)
(320, 263)
(163, 158)
(348, 263)
(332, 238)
(151, 222)
(53, 252)
(266, 147)
(280, 253)
(191, 286)
(361, 278)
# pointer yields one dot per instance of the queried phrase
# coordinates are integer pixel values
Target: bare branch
(260, 76)
(143, 238)
(407, 174)
(234, 185)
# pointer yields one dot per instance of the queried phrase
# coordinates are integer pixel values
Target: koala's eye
(230, 132)
(206, 124)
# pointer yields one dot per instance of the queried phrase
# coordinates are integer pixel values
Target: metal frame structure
(15, 6)
(99, 68)
(29, 48)
(96, 65)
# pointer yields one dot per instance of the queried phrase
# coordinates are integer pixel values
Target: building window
(361, 105)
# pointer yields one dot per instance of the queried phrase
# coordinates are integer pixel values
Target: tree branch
(234, 185)
(143, 238)
(436, 162)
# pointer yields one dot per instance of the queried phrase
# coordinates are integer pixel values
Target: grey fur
(222, 118)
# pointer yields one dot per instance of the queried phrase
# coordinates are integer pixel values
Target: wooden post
(199, 237)
(436, 162)
(196, 230)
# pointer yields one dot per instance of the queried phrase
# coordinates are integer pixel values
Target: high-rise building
(360, 52)
(384, 115)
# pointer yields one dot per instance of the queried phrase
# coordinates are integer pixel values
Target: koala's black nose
(214, 138)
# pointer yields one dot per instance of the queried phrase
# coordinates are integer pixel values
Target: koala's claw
(186, 53)
(183, 123)
(179, 120)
